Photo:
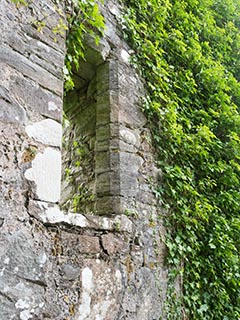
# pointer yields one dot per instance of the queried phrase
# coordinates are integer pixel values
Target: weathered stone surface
(36, 98)
(10, 110)
(51, 214)
(11, 113)
(129, 136)
(22, 281)
(46, 175)
(39, 52)
(100, 256)
(97, 54)
(101, 291)
(89, 244)
(70, 272)
(47, 131)
(112, 244)
(31, 70)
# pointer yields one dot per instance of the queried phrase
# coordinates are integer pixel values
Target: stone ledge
(51, 214)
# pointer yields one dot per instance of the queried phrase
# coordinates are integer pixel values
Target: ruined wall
(106, 259)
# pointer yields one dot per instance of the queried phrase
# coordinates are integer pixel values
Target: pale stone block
(125, 56)
(129, 136)
(46, 131)
(46, 173)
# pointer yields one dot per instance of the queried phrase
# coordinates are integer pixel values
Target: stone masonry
(89, 247)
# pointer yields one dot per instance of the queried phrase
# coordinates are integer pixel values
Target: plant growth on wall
(83, 18)
(188, 52)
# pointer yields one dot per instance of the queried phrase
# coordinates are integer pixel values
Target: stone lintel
(50, 214)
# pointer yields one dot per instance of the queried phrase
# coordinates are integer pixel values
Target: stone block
(113, 244)
(107, 161)
(101, 291)
(103, 115)
(130, 112)
(51, 214)
(96, 54)
(47, 131)
(40, 53)
(102, 160)
(31, 70)
(103, 79)
(46, 175)
(129, 136)
(101, 146)
(89, 244)
(77, 245)
(108, 205)
(125, 147)
(102, 132)
(36, 98)
(12, 112)
(128, 184)
(46, 36)
(108, 183)
(22, 281)
(70, 272)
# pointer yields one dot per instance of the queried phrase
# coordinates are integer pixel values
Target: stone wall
(105, 260)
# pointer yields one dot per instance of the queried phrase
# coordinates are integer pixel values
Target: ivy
(19, 2)
(84, 18)
(188, 52)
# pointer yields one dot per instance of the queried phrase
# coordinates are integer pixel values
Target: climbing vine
(84, 18)
(188, 52)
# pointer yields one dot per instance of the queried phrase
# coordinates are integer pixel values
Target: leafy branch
(84, 18)
(189, 56)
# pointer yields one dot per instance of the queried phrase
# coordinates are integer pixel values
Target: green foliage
(188, 51)
(19, 2)
(84, 18)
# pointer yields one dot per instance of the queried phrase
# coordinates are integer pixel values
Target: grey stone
(108, 183)
(89, 244)
(37, 99)
(112, 244)
(40, 53)
(101, 281)
(70, 272)
(22, 283)
(10, 110)
(52, 215)
(129, 136)
(11, 113)
(31, 70)
(96, 53)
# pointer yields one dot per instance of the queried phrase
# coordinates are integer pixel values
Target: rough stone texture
(105, 261)
(47, 131)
